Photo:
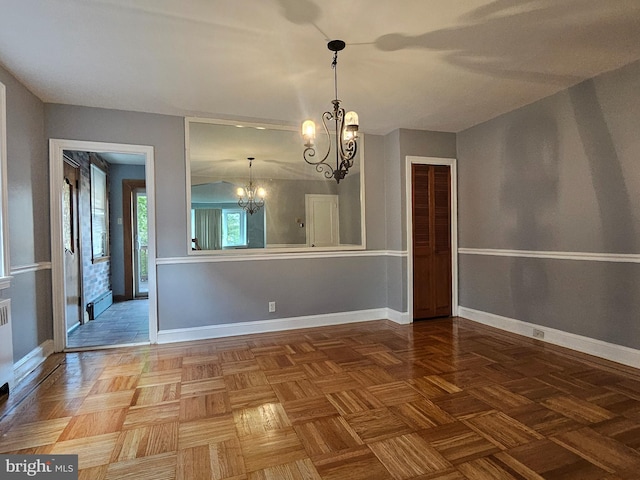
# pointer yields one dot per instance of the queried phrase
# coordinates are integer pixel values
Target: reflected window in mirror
(217, 166)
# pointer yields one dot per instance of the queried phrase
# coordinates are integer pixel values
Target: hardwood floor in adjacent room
(446, 399)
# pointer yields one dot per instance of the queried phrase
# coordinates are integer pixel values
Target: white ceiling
(427, 64)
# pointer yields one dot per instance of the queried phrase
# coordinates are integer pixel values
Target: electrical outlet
(272, 307)
(538, 333)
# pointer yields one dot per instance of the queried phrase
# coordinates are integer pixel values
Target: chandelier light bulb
(309, 132)
(351, 121)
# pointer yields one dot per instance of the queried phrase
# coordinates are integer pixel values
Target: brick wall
(96, 277)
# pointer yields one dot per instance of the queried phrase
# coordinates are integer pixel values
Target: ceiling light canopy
(344, 129)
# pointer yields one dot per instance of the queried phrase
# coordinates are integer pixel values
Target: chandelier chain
(334, 65)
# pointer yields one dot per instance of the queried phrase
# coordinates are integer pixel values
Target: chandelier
(344, 131)
(251, 198)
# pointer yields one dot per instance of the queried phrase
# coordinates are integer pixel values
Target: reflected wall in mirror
(302, 209)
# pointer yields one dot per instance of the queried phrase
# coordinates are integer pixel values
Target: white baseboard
(598, 348)
(31, 360)
(277, 325)
(403, 318)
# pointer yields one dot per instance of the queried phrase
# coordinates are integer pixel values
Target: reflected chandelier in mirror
(251, 197)
(301, 212)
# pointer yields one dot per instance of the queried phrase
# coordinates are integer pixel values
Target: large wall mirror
(302, 210)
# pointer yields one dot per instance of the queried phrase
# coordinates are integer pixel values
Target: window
(99, 214)
(218, 228)
(234, 228)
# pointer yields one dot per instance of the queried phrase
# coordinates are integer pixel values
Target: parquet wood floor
(446, 399)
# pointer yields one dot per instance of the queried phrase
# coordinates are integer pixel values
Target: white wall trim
(582, 256)
(4, 189)
(395, 253)
(31, 360)
(403, 318)
(452, 163)
(273, 325)
(56, 148)
(609, 351)
(277, 256)
(5, 282)
(34, 267)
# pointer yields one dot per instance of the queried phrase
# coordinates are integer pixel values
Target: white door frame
(451, 163)
(56, 148)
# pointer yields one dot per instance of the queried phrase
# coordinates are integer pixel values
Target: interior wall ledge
(582, 256)
(204, 258)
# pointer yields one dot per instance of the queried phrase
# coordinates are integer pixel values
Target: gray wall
(558, 175)
(343, 284)
(164, 133)
(398, 145)
(28, 191)
(376, 197)
(349, 204)
(285, 202)
(228, 292)
(117, 173)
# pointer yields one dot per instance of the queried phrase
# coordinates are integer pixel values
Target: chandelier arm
(340, 132)
(349, 150)
(321, 165)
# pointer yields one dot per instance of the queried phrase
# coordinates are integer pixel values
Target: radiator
(6, 347)
(100, 304)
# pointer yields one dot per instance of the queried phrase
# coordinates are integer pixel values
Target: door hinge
(79, 302)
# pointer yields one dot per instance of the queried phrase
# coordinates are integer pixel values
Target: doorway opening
(136, 239)
(106, 318)
(141, 243)
(91, 307)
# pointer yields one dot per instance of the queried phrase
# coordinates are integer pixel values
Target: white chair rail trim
(279, 256)
(581, 256)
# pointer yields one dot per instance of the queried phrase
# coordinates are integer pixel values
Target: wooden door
(431, 204)
(322, 220)
(71, 244)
